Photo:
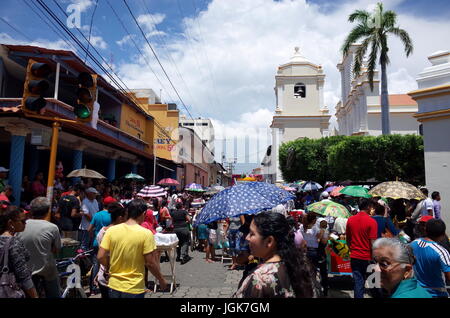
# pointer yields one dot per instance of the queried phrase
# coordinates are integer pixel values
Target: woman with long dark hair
(285, 271)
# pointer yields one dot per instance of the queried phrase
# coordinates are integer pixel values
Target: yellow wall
(168, 120)
(133, 123)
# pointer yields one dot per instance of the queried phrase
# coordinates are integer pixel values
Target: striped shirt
(432, 260)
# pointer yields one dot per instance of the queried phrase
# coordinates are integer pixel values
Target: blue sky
(222, 55)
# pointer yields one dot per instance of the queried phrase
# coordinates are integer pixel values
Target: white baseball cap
(92, 190)
(3, 169)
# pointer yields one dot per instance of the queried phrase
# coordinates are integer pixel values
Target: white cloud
(55, 45)
(98, 42)
(401, 82)
(84, 5)
(148, 22)
(126, 39)
(228, 54)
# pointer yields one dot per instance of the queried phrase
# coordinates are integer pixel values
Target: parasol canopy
(85, 173)
(310, 186)
(329, 209)
(168, 182)
(134, 176)
(195, 187)
(244, 198)
(335, 192)
(397, 190)
(152, 191)
(356, 191)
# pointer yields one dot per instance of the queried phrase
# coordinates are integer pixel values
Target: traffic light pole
(52, 164)
(53, 150)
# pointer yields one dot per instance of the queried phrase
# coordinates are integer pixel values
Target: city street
(199, 279)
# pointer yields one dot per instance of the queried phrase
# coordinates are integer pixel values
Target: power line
(90, 28)
(93, 58)
(137, 47)
(167, 54)
(50, 24)
(125, 92)
(131, 97)
(206, 54)
(156, 56)
(194, 52)
(18, 31)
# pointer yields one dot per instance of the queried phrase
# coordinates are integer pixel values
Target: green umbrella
(134, 176)
(356, 191)
(329, 209)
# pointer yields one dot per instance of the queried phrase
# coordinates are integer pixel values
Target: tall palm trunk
(385, 125)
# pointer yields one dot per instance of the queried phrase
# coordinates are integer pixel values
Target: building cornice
(430, 92)
(434, 115)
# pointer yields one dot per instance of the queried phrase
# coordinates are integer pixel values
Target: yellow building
(162, 132)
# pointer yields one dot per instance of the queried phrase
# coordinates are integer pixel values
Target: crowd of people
(280, 255)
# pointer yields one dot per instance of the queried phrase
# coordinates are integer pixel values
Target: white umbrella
(85, 173)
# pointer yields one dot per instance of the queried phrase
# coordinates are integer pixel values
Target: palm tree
(373, 30)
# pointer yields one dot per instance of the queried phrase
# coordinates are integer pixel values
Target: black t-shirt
(179, 218)
(66, 205)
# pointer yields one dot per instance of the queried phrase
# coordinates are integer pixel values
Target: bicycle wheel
(74, 293)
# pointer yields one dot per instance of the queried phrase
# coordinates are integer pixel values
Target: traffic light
(86, 94)
(35, 86)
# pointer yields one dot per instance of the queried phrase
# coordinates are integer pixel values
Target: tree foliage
(357, 158)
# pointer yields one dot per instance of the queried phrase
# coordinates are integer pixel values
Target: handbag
(8, 285)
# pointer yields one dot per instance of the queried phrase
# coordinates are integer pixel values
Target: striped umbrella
(310, 186)
(152, 191)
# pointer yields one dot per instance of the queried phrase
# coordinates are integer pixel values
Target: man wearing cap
(3, 176)
(89, 207)
(101, 219)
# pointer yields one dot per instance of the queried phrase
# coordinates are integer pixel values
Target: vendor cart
(167, 243)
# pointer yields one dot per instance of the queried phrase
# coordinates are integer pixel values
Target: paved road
(199, 279)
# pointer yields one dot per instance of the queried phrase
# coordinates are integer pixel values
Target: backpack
(8, 285)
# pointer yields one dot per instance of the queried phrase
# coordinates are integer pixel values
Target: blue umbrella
(310, 186)
(244, 198)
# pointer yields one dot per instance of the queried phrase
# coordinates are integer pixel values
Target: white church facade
(300, 111)
(359, 111)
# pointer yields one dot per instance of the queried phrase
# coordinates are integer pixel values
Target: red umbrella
(335, 192)
(168, 182)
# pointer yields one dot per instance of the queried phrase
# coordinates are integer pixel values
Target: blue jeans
(359, 270)
(117, 294)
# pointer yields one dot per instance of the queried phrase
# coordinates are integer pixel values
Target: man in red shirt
(361, 232)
